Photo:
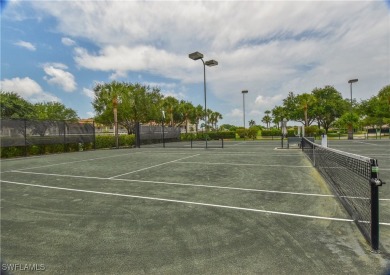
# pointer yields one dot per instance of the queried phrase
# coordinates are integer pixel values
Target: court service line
(248, 164)
(152, 166)
(76, 161)
(373, 144)
(190, 185)
(183, 184)
(182, 202)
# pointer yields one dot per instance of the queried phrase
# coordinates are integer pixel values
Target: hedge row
(208, 135)
(277, 132)
(109, 141)
(32, 150)
(101, 142)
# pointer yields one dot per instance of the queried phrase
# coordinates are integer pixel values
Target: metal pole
(163, 130)
(243, 104)
(204, 85)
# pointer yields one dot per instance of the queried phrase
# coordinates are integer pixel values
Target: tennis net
(354, 180)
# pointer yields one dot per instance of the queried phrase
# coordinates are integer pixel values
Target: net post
(163, 133)
(206, 141)
(374, 206)
(191, 143)
(314, 156)
(222, 142)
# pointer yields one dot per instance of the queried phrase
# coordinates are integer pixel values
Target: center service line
(152, 166)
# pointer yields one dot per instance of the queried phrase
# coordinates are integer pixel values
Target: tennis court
(247, 208)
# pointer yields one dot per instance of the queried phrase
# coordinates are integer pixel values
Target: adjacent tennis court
(246, 208)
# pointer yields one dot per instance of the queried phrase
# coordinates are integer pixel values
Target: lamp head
(211, 63)
(195, 55)
(353, 80)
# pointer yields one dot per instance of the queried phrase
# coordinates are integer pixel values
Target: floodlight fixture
(211, 63)
(195, 55)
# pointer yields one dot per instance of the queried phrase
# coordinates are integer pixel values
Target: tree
(305, 103)
(228, 127)
(50, 113)
(214, 118)
(54, 111)
(376, 110)
(187, 109)
(278, 113)
(299, 108)
(348, 119)
(251, 123)
(171, 107)
(197, 116)
(329, 106)
(14, 106)
(267, 119)
(134, 103)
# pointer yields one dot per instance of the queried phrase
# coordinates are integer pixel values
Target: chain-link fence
(24, 133)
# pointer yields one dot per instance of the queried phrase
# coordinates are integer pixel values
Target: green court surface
(248, 208)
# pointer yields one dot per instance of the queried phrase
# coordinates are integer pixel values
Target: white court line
(366, 143)
(184, 184)
(182, 202)
(152, 166)
(248, 164)
(69, 162)
(192, 185)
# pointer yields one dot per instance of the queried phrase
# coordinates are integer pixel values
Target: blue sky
(58, 50)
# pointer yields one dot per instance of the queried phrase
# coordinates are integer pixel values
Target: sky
(59, 50)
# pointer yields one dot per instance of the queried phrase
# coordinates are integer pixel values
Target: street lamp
(210, 63)
(350, 127)
(243, 102)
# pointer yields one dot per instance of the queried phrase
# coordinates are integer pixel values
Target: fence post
(64, 135)
(94, 135)
(137, 134)
(25, 137)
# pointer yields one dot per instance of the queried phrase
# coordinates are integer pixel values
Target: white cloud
(26, 45)
(235, 113)
(27, 88)
(67, 41)
(268, 101)
(267, 47)
(89, 93)
(122, 58)
(57, 75)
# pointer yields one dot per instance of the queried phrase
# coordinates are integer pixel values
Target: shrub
(241, 132)
(271, 132)
(252, 132)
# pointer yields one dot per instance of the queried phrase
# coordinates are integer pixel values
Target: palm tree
(170, 105)
(197, 116)
(252, 123)
(306, 101)
(267, 119)
(213, 119)
(186, 108)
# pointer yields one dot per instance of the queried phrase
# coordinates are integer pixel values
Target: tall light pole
(350, 126)
(243, 103)
(210, 63)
